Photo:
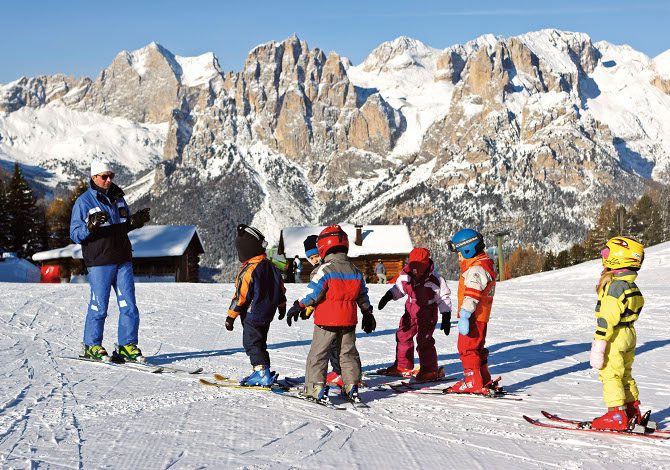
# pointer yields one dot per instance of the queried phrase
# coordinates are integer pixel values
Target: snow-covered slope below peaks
(59, 143)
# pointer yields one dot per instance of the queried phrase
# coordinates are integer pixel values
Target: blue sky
(81, 38)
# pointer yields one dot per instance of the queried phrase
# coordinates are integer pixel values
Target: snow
(636, 111)
(403, 71)
(662, 64)
(377, 240)
(149, 241)
(198, 71)
(50, 139)
(57, 413)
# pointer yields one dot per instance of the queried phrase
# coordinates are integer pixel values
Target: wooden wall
(366, 264)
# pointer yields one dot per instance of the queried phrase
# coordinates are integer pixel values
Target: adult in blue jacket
(100, 222)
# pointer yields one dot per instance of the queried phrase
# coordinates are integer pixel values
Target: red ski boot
(633, 411)
(472, 383)
(614, 420)
(395, 371)
(425, 376)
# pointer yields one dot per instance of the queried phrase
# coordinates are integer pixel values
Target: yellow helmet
(622, 252)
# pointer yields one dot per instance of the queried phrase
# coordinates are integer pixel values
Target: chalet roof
(377, 240)
(150, 241)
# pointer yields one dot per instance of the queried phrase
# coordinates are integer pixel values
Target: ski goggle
(453, 247)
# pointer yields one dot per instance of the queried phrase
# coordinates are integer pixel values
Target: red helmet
(332, 237)
(419, 260)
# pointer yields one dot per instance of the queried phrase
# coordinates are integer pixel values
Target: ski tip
(530, 420)
(546, 414)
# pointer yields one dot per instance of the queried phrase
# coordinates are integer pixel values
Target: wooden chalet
(367, 244)
(167, 253)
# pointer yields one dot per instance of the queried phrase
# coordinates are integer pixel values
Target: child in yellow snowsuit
(613, 349)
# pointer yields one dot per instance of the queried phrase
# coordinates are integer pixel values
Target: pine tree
(5, 237)
(577, 254)
(549, 262)
(645, 221)
(23, 214)
(563, 259)
(604, 229)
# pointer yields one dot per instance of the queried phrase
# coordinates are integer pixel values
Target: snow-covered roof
(150, 241)
(377, 240)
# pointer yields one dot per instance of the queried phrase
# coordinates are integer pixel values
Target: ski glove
(306, 313)
(139, 218)
(282, 312)
(294, 312)
(229, 323)
(598, 347)
(369, 323)
(95, 220)
(464, 322)
(385, 299)
(446, 322)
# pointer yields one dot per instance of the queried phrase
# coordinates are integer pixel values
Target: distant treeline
(648, 221)
(29, 225)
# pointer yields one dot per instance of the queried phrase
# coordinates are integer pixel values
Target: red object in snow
(50, 274)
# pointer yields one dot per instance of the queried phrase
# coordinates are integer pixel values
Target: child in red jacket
(336, 291)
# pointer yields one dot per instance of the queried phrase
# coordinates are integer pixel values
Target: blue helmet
(468, 242)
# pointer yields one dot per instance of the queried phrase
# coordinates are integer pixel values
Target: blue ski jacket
(110, 243)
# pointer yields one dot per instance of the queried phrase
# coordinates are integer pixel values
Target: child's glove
(385, 299)
(369, 323)
(282, 312)
(446, 322)
(464, 322)
(598, 347)
(306, 313)
(229, 323)
(294, 312)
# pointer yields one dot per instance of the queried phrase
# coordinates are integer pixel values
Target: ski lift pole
(501, 260)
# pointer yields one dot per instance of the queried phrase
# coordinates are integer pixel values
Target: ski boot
(472, 383)
(425, 376)
(260, 377)
(334, 379)
(614, 420)
(96, 352)
(395, 371)
(317, 392)
(130, 353)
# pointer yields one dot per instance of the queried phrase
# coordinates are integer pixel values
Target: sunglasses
(105, 177)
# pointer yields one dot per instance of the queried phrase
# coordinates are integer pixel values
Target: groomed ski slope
(65, 414)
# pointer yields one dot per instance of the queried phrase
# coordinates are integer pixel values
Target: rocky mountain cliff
(528, 133)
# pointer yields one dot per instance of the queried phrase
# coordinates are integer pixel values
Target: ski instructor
(100, 222)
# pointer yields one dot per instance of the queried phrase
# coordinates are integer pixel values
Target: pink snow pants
(422, 325)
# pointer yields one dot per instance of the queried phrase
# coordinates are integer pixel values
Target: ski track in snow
(58, 413)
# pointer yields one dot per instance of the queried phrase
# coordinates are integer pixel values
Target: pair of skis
(287, 388)
(584, 426)
(140, 366)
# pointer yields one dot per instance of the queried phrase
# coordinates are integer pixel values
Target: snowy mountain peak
(662, 64)
(399, 54)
